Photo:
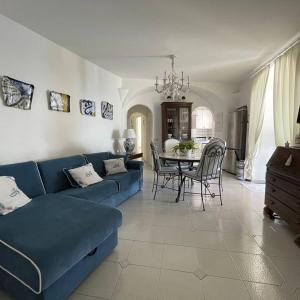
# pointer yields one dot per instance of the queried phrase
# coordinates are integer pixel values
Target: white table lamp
(129, 135)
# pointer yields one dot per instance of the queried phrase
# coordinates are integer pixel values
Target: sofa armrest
(135, 164)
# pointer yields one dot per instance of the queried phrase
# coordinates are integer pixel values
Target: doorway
(139, 118)
(203, 124)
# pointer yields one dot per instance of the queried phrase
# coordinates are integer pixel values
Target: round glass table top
(175, 157)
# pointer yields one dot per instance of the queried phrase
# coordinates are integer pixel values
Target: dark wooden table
(135, 155)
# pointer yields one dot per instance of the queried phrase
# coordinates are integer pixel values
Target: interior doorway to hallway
(139, 118)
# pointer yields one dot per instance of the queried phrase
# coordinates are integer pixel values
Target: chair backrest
(169, 144)
(155, 157)
(214, 139)
(210, 165)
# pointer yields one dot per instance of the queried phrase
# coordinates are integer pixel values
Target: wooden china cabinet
(176, 120)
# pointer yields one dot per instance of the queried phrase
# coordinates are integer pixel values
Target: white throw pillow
(85, 175)
(114, 166)
(11, 197)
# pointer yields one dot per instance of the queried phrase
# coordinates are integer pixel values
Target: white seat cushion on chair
(169, 144)
(11, 197)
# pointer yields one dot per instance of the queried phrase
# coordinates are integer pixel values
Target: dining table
(180, 159)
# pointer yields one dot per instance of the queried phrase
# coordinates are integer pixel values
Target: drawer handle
(273, 179)
(273, 190)
(272, 202)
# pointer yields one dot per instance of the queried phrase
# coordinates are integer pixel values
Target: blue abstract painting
(107, 110)
(17, 93)
(88, 107)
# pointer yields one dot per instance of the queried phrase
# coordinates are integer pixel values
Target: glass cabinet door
(184, 123)
(172, 123)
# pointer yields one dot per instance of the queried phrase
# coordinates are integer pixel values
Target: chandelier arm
(162, 89)
(158, 91)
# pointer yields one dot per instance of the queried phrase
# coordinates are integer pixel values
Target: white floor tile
(261, 291)
(217, 263)
(202, 239)
(180, 258)
(101, 283)
(256, 268)
(121, 252)
(137, 283)
(241, 243)
(290, 270)
(147, 233)
(75, 296)
(176, 285)
(189, 259)
(146, 254)
(223, 288)
(278, 244)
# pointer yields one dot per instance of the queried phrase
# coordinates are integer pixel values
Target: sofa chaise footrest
(37, 249)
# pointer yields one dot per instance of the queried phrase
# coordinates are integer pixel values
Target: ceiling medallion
(172, 87)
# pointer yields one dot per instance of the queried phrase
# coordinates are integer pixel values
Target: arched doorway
(139, 117)
(203, 124)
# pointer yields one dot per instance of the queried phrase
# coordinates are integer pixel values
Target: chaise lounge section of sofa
(51, 244)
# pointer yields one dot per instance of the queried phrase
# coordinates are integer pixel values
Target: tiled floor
(175, 251)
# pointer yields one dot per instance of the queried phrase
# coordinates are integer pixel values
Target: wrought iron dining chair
(170, 144)
(208, 170)
(167, 173)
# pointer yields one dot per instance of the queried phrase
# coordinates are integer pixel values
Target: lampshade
(298, 118)
(129, 133)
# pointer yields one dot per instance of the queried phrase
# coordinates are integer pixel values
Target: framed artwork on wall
(107, 110)
(17, 93)
(59, 101)
(88, 107)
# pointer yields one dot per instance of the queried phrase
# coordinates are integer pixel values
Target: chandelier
(172, 87)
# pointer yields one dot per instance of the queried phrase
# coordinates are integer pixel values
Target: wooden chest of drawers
(283, 187)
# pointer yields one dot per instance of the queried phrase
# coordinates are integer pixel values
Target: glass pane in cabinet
(172, 123)
(184, 122)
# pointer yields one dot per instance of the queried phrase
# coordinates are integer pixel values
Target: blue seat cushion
(54, 232)
(125, 180)
(53, 175)
(96, 192)
(27, 177)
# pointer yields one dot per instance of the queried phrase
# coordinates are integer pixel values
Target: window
(202, 122)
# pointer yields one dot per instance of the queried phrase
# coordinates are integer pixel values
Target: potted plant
(185, 148)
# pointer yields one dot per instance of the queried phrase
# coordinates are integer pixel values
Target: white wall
(40, 133)
(219, 98)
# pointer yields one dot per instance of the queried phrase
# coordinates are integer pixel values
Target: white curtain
(257, 110)
(285, 103)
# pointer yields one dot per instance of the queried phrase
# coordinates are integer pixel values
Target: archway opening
(139, 117)
(203, 124)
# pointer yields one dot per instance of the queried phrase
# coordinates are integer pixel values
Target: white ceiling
(214, 40)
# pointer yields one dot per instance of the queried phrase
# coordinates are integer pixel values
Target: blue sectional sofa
(51, 244)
